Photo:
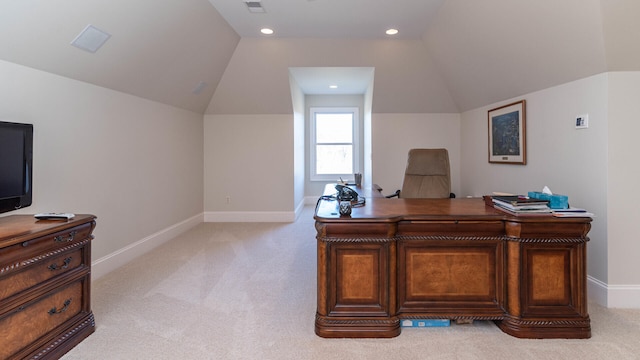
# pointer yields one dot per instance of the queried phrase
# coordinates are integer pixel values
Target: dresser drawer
(24, 325)
(44, 245)
(38, 270)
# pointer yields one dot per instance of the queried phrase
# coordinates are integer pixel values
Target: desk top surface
(380, 209)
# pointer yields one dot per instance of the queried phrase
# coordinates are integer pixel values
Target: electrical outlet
(582, 121)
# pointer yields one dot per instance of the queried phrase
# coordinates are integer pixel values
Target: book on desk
(521, 205)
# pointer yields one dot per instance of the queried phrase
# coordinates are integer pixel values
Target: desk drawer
(40, 271)
(44, 244)
(451, 228)
(451, 278)
(24, 325)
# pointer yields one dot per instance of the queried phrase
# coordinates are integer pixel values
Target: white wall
(367, 174)
(622, 194)
(297, 100)
(134, 163)
(393, 135)
(571, 162)
(249, 159)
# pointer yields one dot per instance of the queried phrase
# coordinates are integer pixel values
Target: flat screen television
(16, 160)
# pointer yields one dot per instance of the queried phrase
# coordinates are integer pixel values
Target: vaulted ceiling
(208, 56)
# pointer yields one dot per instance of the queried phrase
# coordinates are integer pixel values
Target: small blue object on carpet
(425, 322)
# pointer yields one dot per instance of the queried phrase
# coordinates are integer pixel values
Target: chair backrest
(427, 174)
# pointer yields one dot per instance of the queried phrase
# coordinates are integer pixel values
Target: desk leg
(354, 292)
(546, 289)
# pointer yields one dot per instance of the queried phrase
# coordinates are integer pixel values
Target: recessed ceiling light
(266, 31)
(392, 31)
(333, 86)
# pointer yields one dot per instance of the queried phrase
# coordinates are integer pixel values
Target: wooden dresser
(45, 280)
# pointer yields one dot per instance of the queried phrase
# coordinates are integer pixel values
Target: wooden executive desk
(399, 259)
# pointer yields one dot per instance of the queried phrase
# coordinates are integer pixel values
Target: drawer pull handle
(54, 310)
(65, 264)
(61, 238)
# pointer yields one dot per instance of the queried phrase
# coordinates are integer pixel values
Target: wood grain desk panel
(396, 259)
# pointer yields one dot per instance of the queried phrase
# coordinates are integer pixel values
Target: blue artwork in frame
(507, 134)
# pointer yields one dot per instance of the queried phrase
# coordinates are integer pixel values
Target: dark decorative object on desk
(345, 208)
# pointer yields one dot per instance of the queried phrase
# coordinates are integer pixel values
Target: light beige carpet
(248, 291)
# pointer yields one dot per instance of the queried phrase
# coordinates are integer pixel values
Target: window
(334, 143)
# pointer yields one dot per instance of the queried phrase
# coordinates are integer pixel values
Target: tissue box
(556, 201)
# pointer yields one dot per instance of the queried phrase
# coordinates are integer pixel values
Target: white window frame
(355, 142)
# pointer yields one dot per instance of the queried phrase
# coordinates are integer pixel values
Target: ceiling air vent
(198, 89)
(254, 6)
(90, 39)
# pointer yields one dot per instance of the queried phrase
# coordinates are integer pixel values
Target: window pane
(334, 159)
(334, 128)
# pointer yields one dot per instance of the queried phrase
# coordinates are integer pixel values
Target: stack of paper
(572, 212)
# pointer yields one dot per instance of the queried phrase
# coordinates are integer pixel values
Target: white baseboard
(596, 290)
(624, 296)
(300, 207)
(108, 263)
(250, 216)
(613, 296)
(311, 200)
(255, 216)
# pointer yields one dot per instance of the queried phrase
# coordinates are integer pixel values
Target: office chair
(427, 175)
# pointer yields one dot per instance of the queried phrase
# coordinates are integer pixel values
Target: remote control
(54, 216)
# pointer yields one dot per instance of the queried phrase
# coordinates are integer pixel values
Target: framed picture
(507, 134)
